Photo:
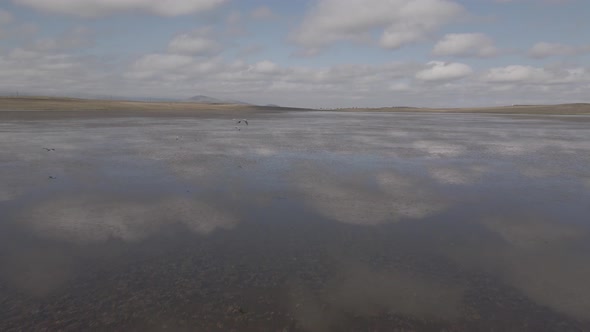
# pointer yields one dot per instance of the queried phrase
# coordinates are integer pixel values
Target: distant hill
(210, 100)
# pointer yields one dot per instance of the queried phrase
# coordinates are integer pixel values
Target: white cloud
(545, 2)
(195, 43)
(536, 75)
(79, 37)
(266, 67)
(248, 50)
(5, 17)
(543, 50)
(267, 75)
(466, 45)
(25, 29)
(402, 22)
(444, 71)
(262, 13)
(167, 67)
(234, 18)
(54, 73)
(93, 8)
(515, 73)
(163, 61)
(269, 81)
(47, 68)
(19, 53)
(399, 86)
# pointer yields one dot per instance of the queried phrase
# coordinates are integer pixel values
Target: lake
(297, 221)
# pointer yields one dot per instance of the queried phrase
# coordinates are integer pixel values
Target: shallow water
(311, 221)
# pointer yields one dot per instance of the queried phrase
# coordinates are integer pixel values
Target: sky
(304, 53)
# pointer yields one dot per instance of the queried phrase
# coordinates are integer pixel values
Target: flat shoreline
(33, 107)
(559, 109)
(39, 108)
(75, 104)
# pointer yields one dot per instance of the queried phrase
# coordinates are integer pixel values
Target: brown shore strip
(58, 107)
(559, 109)
(34, 107)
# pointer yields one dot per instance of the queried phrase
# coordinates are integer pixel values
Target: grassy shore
(13, 104)
(75, 104)
(561, 109)
(38, 108)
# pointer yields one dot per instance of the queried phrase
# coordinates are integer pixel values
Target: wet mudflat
(311, 221)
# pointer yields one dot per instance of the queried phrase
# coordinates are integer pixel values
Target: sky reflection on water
(327, 220)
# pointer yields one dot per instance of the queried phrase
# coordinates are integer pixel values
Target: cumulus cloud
(5, 16)
(265, 75)
(262, 13)
(56, 73)
(399, 86)
(265, 67)
(444, 71)
(536, 75)
(547, 2)
(24, 30)
(515, 73)
(162, 62)
(543, 50)
(234, 18)
(267, 81)
(401, 22)
(93, 8)
(248, 50)
(79, 37)
(466, 45)
(197, 42)
(192, 63)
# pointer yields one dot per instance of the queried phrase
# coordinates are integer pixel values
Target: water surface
(311, 221)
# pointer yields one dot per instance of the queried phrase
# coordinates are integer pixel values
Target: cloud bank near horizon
(328, 54)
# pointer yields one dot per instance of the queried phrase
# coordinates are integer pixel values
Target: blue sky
(312, 53)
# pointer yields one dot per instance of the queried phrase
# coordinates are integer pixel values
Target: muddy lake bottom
(297, 221)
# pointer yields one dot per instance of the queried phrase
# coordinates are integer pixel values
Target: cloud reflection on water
(94, 218)
(458, 175)
(126, 181)
(360, 291)
(364, 198)
(545, 259)
(38, 271)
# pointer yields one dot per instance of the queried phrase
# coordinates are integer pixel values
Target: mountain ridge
(212, 100)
